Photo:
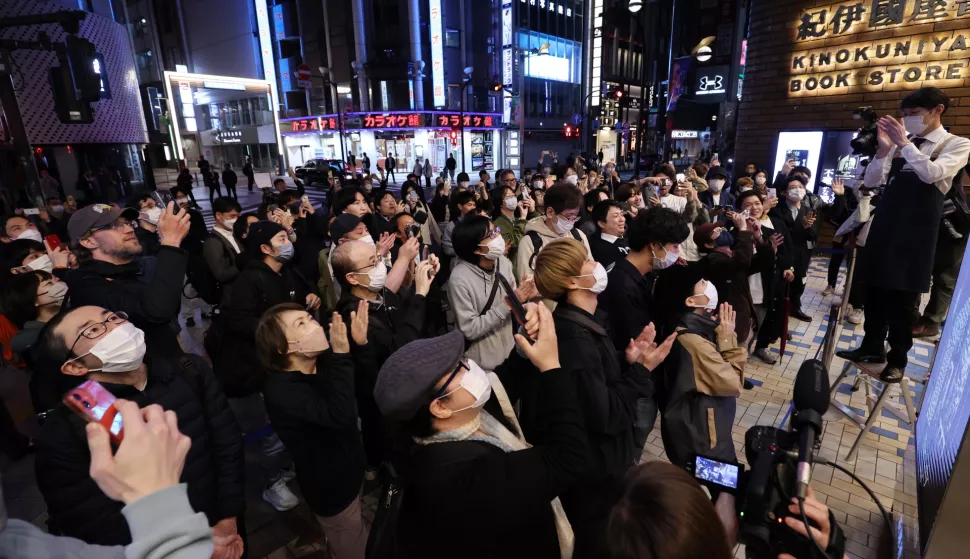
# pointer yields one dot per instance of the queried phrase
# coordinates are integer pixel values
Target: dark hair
(663, 513)
(665, 169)
(670, 292)
(14, 252)
(561, 197)
(794, 178)
(49, 343)
(379, 195)
(468, 234)
(602, 209)
(744, 196)
(135, 201)
(801, 170)
(591, 198)
(393, 223)
(926, 98)
(5, 219)
(504, 172)
(224, 205)
(409, 186)
(627, 190)
(19, 296)
(656, 225)
(345, 198)
(460, 198)
(482, 173)
(271, 345)
(277, 181)
(241, 227)
(462, 176)
(285, 198)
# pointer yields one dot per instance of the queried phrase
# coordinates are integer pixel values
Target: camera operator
(917, 160)
(663, 513)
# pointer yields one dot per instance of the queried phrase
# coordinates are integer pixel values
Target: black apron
(902, 242)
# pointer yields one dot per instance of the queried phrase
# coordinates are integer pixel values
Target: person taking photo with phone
(801, 221)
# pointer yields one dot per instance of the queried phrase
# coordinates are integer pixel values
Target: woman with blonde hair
(608, 389)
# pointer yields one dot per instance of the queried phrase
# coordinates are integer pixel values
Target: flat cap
(410, 373)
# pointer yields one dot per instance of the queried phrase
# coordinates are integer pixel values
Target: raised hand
(61, 258)
(838, 187)
(544, 353)
(776, 240)
(338, 335)
(423, 276)
(527, 290)
(385, 245)
(359, 320)
(728, 318)
(653, 355)
(172, 228)
(149, 458)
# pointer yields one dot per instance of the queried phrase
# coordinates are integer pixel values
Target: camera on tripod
(866, 142)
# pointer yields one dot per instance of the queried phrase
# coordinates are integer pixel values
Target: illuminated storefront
(405, 134)
(226, 119)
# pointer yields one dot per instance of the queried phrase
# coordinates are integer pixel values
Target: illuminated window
(452, 38)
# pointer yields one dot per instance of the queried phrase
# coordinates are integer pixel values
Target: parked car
(315, 170)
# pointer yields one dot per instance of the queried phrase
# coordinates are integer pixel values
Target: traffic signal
(81, 59)
(497, 86)
(616, 93)
(68, 109)
(568, 131)
(454, 137)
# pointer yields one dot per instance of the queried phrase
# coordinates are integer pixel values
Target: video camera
(780, 464)
(866, 143)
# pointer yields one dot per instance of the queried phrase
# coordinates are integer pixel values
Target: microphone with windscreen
(811, 400)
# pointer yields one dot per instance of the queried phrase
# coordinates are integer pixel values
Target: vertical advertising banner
(507, 36)
(678, 81)
(437, 54)
(266, 50)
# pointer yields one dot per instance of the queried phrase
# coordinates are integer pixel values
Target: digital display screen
(838, 162)
(716, 472)
(805, 148)
(943, 418)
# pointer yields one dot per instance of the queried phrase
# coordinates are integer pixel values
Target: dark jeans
(213, 189)
(644, 419)
(890, 314)
(251, 181)
(946, 268)
(836, 262)
(231, 192)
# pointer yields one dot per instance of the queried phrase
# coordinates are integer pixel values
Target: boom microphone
(811, 399)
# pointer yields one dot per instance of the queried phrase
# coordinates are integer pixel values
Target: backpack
(537, 244)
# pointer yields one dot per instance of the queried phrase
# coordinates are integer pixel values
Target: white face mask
(152, 215)
(796, 194)
(563, 226)
(31, 235)
(230, 222)
(602, 279)
(464, 184)
(914, 125)
(511, 202)
(496, 248)
(368, 239)
(378, 276)
(538, 185)
(760, 180)
(572, 179)
(669, 259)
(120, 350)
(716, 184)
(711, 293)
(43, 263)
(476, 382)
(57, 292)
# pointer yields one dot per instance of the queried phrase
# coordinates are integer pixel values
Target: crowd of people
(504, 349)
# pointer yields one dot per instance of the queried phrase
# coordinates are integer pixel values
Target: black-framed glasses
(451, 377)
(115, 225)
(98, 329)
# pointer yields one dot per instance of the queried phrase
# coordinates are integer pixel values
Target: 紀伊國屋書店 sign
(856, 62)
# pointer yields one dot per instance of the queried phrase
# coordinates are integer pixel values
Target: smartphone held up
(95, 404)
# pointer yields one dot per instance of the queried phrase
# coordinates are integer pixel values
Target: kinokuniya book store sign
(880, 45)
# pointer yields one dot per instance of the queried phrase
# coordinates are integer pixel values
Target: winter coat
(213, 467)
(152, 306)
(488, 333)
(524, 262)
(703, 377)
(316, 418)
(729, 274)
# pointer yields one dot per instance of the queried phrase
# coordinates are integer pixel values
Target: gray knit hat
(411, 372)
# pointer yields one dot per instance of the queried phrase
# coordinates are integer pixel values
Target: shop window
(452, 38)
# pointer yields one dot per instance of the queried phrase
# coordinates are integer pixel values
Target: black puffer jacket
(152, 304)
(213, 468)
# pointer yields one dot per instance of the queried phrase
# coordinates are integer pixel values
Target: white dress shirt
(939, 173)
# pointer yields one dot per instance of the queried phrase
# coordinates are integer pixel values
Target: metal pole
(461, 110)
(643, 92)
(522, 114)
(340, 121)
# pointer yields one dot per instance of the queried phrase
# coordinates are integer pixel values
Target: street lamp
(461, 109)
(325, 75)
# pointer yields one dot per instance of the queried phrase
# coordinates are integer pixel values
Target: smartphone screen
(53, 241)
(95, 404)
(31, 211)
(718, 473)
(162, 198)
(771, 193)
(681, 177)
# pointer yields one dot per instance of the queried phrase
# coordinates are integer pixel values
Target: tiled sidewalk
(885, 459)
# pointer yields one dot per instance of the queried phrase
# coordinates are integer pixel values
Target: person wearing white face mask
(513, 215)
(394, 320)
(482, 317)
(565, 274)
(310, 394)
(96, 344)
(917, 160)
(800, 219)
(148, 216)
(716, 196)
(704, 373)
(18, 227)
(220, 249)
(561, 208)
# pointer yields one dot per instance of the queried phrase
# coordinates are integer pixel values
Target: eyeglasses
(98, 329)
(495, 233)
(438, 393)
(115, 225)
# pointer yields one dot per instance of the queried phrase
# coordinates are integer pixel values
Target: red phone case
(53, 241)
(95, 404)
